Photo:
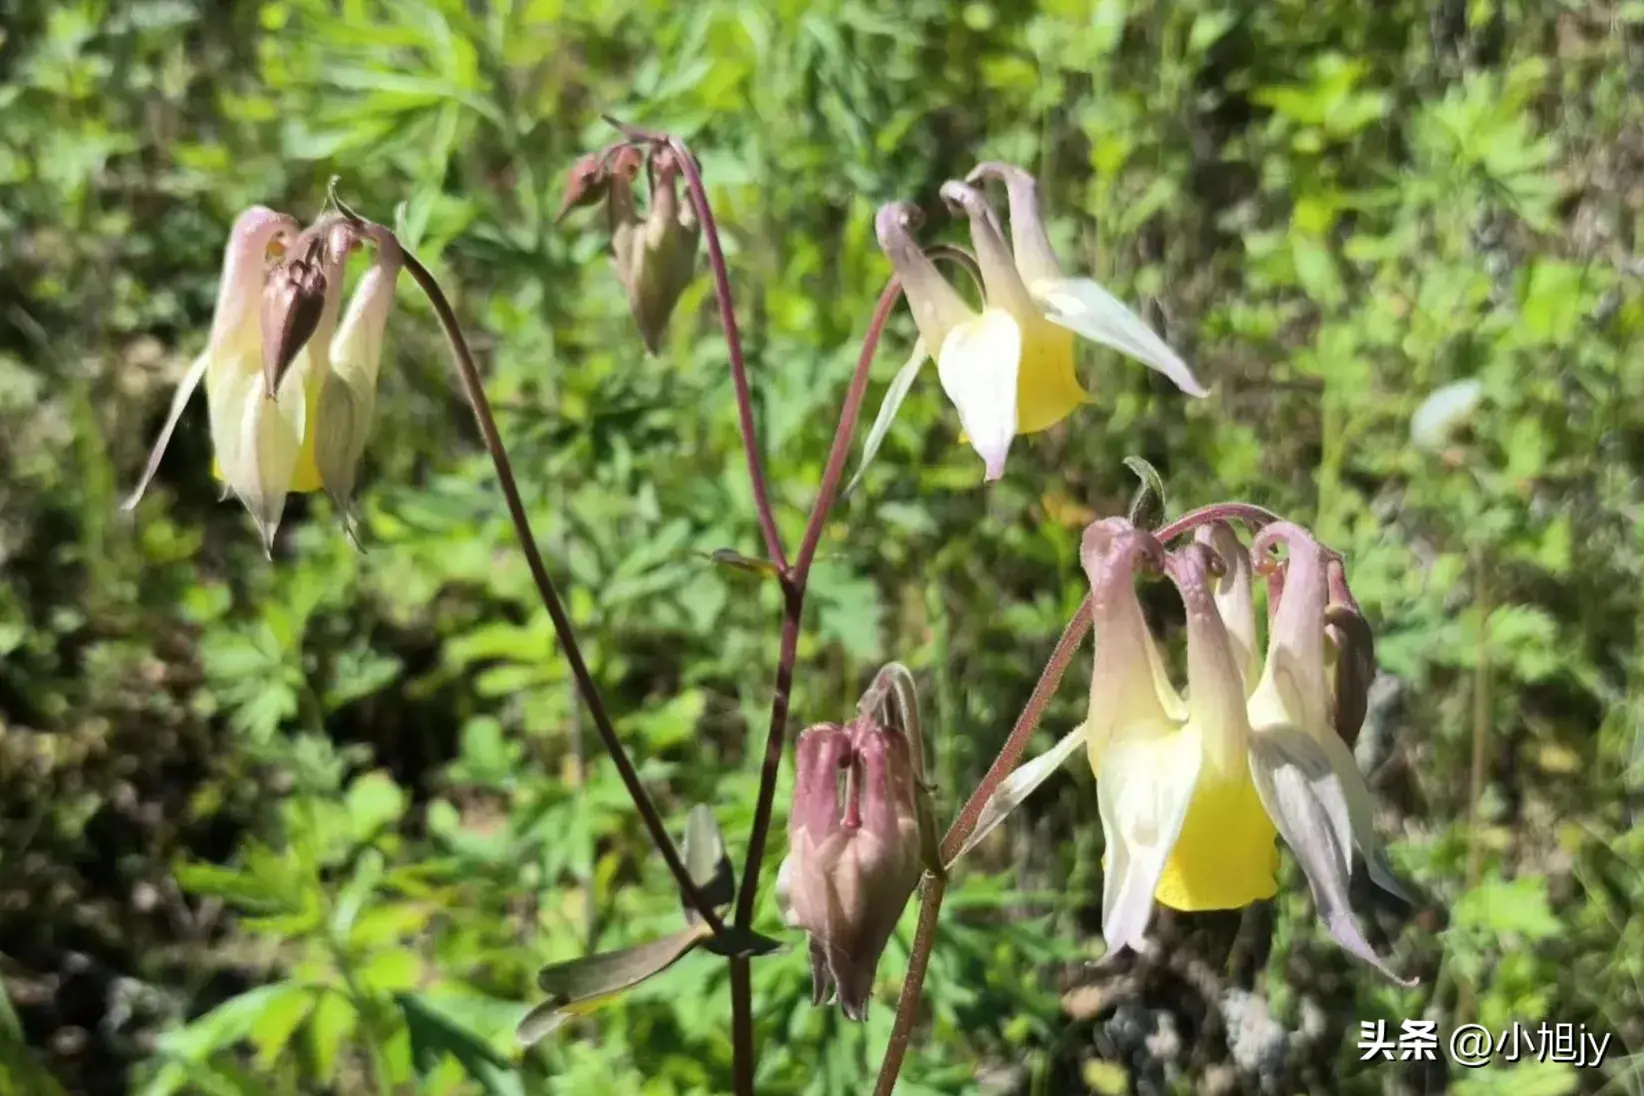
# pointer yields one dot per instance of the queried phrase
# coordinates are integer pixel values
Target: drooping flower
(1193, 790)
(853, 853)
(268, 360)
(1008, 369)
(656, 255)
(654, 252)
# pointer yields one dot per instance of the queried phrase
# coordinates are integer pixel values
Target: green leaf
(894, 395)
(1517, 908)
(20, 1074)
(582, 985)
(1528, 1079)
(188, 1048)
(391, 969)
(435, 1034)
(736, 561)
(282, 1015)
(375, 802)
(333, 1022)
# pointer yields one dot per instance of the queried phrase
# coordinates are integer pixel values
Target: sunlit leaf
(582, 985)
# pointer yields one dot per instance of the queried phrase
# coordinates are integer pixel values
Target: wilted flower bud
(588, 184)
(656, 256)
(293, 300)
(853, 853)
(1353, 646)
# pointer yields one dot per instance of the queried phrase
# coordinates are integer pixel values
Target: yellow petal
(1225, 856)
(1047, 389)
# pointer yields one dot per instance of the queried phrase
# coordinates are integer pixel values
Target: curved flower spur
(1193, 789)
(291, 393)
(1009, 368)
(861, 832)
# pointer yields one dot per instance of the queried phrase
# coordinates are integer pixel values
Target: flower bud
(853, 853)
(1353, 646)
(588, 184)
(293, 299)
(656, 256)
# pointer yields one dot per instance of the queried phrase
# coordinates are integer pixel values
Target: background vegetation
(311, 827)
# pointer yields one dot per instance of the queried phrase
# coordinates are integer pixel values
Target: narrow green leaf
(730, 557)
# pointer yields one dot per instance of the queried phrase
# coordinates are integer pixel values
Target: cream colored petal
(1215, 692)
(231, 382)
(895, 393)
(1443, 412)
(1361, 814)
(240, 288)
(1304, 798)
(235, 335)
(1234, 597)
(1081, 305)
(1293, 688)
(936, 306)
(341, 427)
(1144, 788)
(271, 433)
(347, 402)
(1128, 683)
(179, 401)
(977, 367)
(356, 349)
(1016, 787)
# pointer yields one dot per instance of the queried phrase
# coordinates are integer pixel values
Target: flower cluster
(290, 380)
(1193, 789)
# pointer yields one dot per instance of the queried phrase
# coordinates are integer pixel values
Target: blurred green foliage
(313, 826)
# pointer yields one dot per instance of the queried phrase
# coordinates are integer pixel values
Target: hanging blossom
(291, 394)
(654, 253)
(1194, 789)
(1009, 368)
(854, 854)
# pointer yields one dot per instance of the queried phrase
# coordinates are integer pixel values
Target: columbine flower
(853, 853)
(1010, 368)
(1192, 790)
(269, 357)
